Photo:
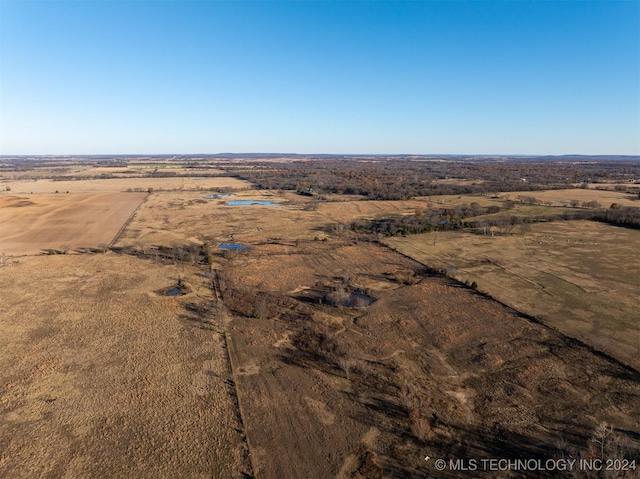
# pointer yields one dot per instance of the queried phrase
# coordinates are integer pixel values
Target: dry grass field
(580, 276)
(102, 375)
(346, 211)
(174, 216)
(191, 217)
(77, 169)
(583, 195)
(120, 184)
(429, 369)
(33, 223)
(263, 370)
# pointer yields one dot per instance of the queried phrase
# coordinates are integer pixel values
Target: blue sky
(509, 77)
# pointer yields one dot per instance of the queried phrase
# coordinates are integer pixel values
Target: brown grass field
(189, 217)
(580, 276)
(103, 376)
(255, 372)
(32, 223)
(479, 374)
(170, 217)
(120, 184)
(131, 170)
(561, 197)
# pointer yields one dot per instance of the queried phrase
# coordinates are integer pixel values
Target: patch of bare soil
(61, 222)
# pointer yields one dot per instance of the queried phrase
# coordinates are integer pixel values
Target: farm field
(331, 391)
(346, 211)
(170, 217)
(580, 276)
(132, 170)
(190, 217)
(302, 347)
(583, 195)
(33, 223)
(120, 184)
(102, 375)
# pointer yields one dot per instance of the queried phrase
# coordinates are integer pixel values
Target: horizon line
(284, 154)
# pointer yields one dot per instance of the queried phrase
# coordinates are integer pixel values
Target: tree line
(444, 219)
(402, 178)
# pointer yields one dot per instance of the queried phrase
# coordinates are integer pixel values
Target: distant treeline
(402, 179)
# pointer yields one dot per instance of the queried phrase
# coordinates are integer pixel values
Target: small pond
(235, 246)
(174, 292)
(359, 300)
(252, 202)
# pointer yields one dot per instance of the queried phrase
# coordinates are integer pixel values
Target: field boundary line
(532, 319)
(228, 346)
(508, 271)
(126, 223)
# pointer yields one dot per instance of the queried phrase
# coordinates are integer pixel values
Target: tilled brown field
(103, 375)
(113, 185)
(32, 223)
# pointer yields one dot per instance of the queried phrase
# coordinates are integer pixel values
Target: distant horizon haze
(260, 155)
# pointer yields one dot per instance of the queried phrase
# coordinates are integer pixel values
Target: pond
(359, 300)
(174, 292)
(252, 202)
(235, 246)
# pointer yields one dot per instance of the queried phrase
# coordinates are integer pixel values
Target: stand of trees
(454, 218)
(401, 178)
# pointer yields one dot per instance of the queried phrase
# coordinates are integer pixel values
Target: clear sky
(481, 77)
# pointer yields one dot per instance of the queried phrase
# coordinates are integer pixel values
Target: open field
(523, 211)
(351, 210)
(78, 169)
(32, 223)
(580, 277)
(170, 217)
(583, 195)
(319, 351)
(337, 392)
(190, 217)
(103, 376)
(120, 184)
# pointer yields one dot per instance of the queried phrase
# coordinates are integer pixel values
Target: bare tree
(601, 436)
(179, 253)
(142, 247)
(524, 228)
(194, 253)
(260, 308)
(346, 364)
(421, 428)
